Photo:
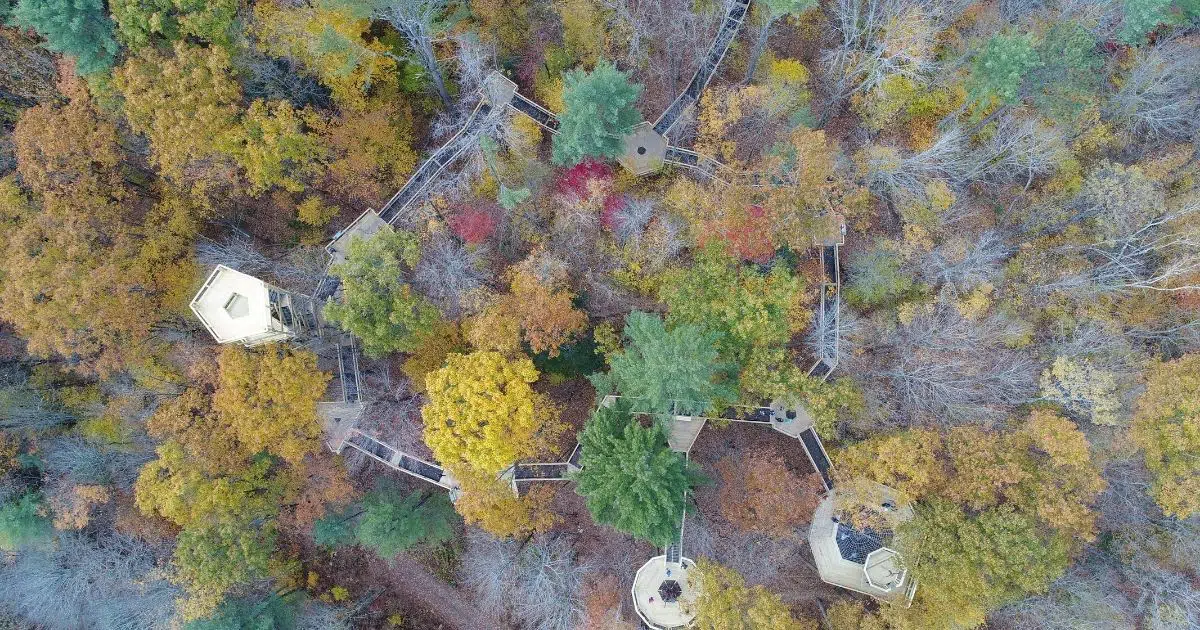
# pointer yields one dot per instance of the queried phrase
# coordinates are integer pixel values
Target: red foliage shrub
(475, 223)
(745, 235)
(613, 204)
(576, 181)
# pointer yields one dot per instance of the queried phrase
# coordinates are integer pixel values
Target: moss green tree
(1000, 67)
(599, 112)
(1143, 16)
(142, 22)
(972, 564)
(23, 523)
(211, 560)
(631, 479)
(747, 308)
(392, 523)
(668, 371)
(378, 305)
(274, 147)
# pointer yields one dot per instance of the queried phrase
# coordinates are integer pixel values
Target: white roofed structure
(239, 308)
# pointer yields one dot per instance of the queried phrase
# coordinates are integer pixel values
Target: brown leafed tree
(603, 599)
(759, 493)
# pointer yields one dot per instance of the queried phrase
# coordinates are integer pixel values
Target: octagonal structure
(885, 569)
(857, 559)
(239, 308)
(662, 595)
(644, 150)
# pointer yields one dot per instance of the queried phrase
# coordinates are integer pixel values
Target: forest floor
(426, 596)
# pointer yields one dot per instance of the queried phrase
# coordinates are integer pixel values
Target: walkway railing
(708, 67)
(399, 460)
(829, 314)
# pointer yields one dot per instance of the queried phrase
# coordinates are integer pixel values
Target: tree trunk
(760, 46)
(429, 61)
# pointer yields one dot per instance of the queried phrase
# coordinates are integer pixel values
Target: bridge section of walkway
(708, 67)
(398, 460)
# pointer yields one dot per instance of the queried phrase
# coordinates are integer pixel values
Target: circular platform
(662, 595)
(644, 150)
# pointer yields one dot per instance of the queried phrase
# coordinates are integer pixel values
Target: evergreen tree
(599, 112)
(392, 523)
(631, 478)
(22, 523)
(659, 366)
(268, 613)
(378, 306)
(1143, 16)
(79, 28)
(1000, 68)
(336, 529)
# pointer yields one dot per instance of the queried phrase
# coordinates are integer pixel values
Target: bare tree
(1160, 98)
(663, 41)
(1162, 254)
(79, 462)
(943, 368)
(108, 581)
(538, 584)
(22, 408)
(1019, 148)
(1083, 599)
(489, 569)
(447, 271)
(416, 21)
(882, 38)
(966, 262)
(548, 585)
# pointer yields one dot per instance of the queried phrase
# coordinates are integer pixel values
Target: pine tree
(79, 28)
(22, 523)
(599, 112)
(631, 479)
(391, 523)
(1000, 68)
(675, 371)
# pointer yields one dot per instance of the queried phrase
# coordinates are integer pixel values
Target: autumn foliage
(759, 493)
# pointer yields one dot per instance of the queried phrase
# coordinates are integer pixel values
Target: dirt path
(422, 588)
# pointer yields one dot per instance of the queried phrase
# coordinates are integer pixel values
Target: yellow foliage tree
(483, 414)
(269, 398)
(491, 505)
(330, 39)
(445, 339)
(724, 602)
(1166, 426)
(181, 103)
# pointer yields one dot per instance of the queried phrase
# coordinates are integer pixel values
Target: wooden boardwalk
(708, 67)
(497, 93)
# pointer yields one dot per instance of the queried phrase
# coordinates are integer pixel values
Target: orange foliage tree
(759, 493)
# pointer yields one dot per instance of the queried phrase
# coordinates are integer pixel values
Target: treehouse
(239, 308)
(850, 538)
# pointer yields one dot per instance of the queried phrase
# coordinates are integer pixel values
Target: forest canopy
(458, 314)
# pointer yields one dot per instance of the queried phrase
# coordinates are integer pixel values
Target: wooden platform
(682, 432)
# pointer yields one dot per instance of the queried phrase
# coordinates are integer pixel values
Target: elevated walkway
(399, 460)
(708, 67)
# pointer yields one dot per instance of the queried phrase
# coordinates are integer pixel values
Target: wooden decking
(682, 432)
